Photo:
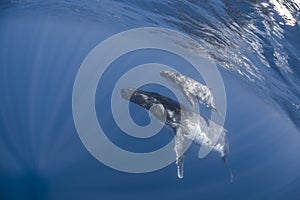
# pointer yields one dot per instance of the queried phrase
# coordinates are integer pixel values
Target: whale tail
(225, 159)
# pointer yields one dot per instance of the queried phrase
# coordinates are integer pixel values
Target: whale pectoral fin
(225, 159)
(189, 97)
(180, 163)
(179, 150)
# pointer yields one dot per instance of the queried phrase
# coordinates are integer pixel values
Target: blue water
(42, 45)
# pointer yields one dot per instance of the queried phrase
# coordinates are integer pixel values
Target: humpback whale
(187, 124)
(192, 89)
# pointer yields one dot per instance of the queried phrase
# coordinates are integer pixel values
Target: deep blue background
(42, 157)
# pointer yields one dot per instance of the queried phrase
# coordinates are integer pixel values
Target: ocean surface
(255, 45)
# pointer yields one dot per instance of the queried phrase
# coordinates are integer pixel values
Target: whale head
(163, 108)
(141, 98)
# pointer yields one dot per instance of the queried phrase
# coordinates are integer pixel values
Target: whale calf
(192, 89)
(187, 124)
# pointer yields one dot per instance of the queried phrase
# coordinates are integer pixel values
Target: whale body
(192, 89)
(187, 124)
